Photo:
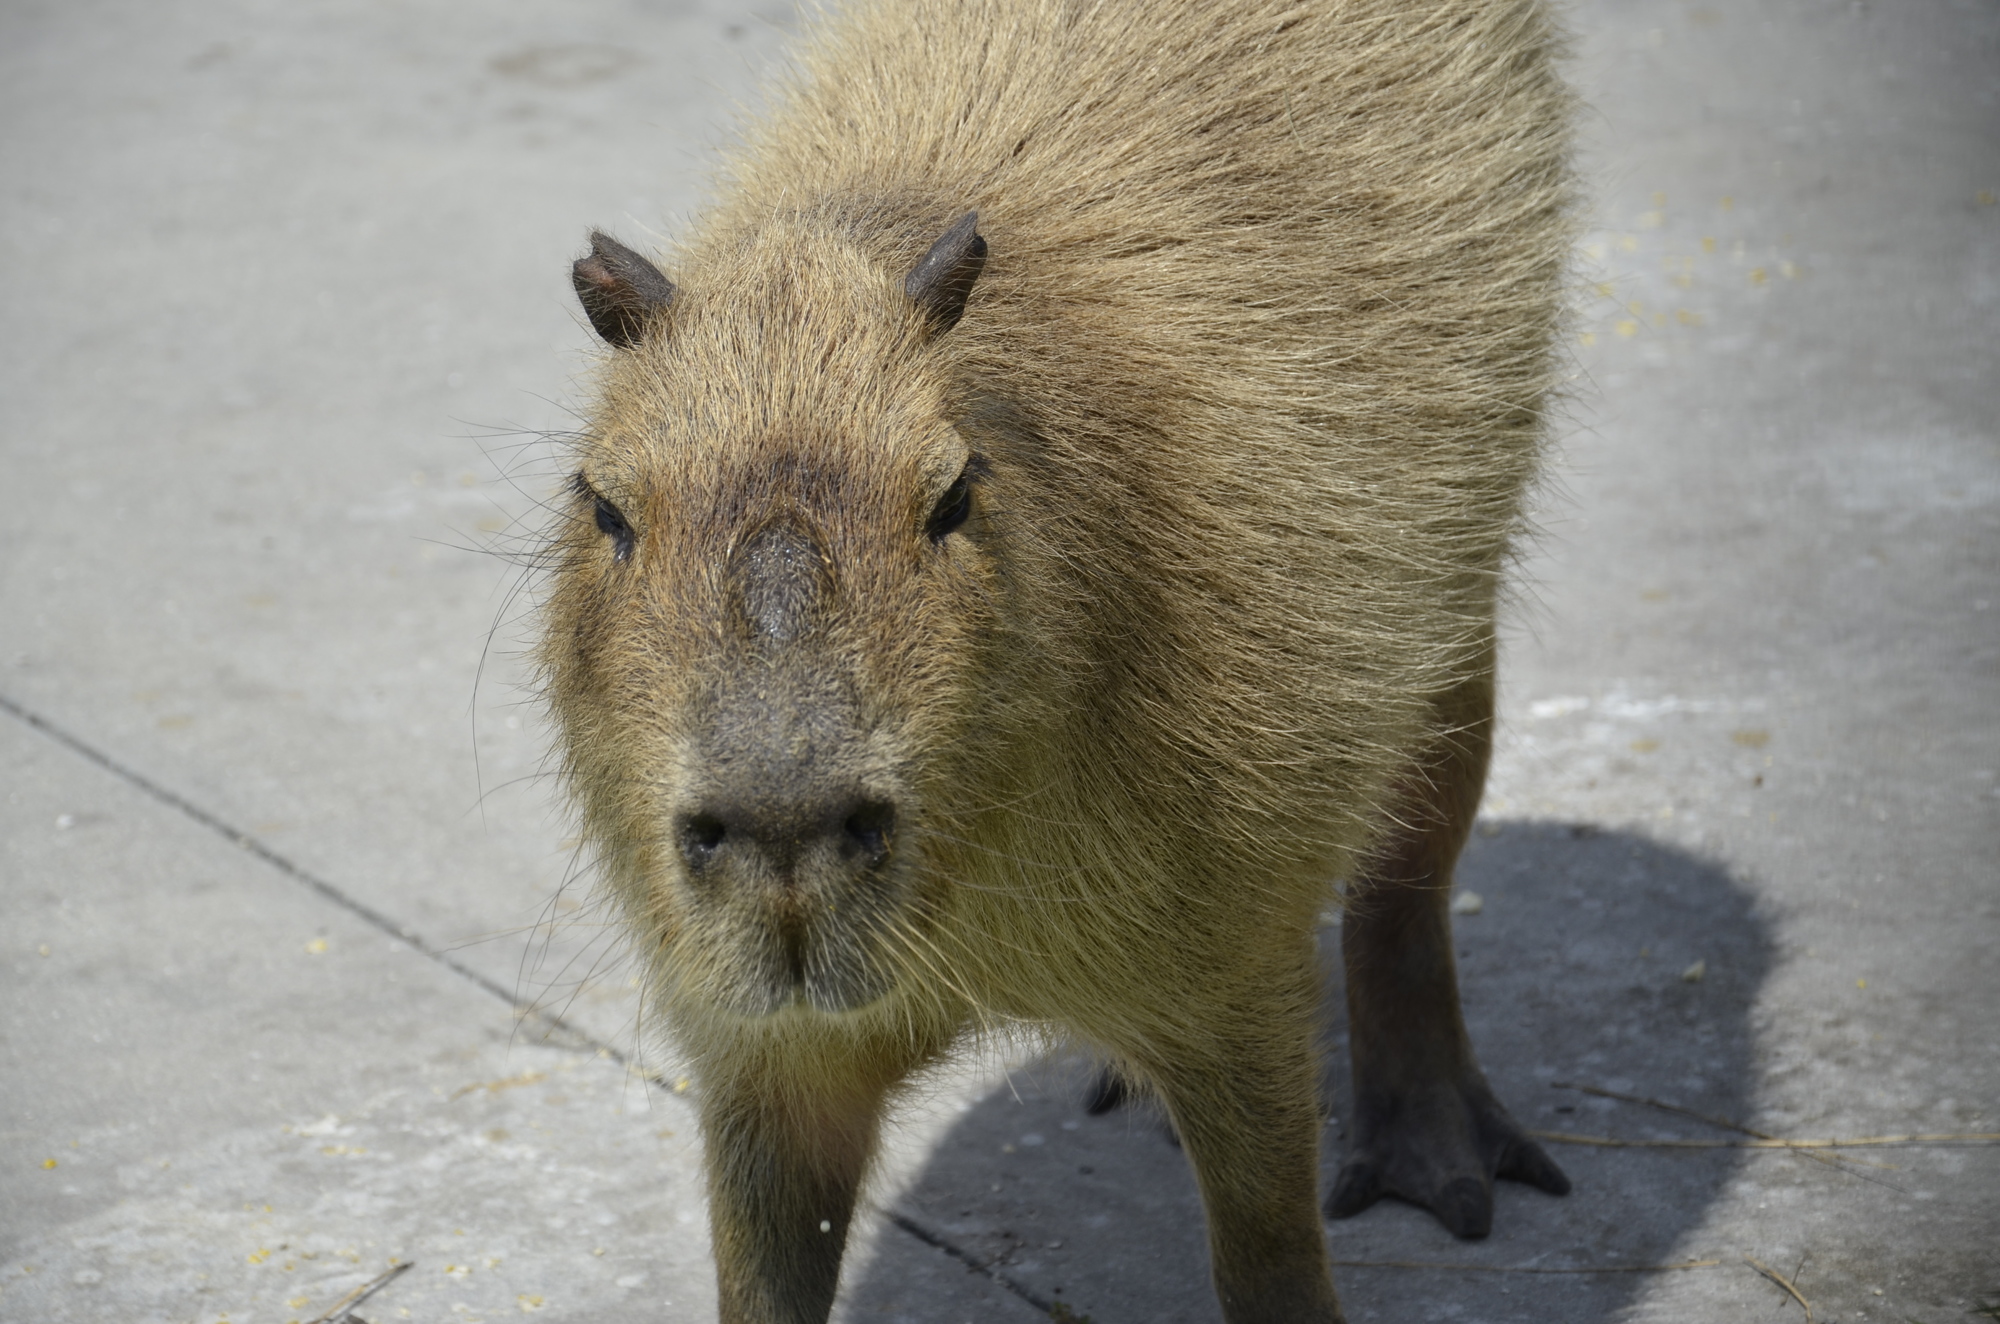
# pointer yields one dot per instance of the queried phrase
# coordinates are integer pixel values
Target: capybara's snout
(785, 839)
(848, 832)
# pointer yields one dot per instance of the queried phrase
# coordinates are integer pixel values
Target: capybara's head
(776, 589)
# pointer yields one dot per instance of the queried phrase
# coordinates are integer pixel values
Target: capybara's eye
(612, 524)
(953, 506)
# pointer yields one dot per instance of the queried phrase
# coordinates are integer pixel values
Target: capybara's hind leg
(1427, 1128)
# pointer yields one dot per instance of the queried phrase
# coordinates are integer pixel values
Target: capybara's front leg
(1247, 1114)
(1427, 1127)
(785, 1160)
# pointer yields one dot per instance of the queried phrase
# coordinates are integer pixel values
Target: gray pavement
(292, 916)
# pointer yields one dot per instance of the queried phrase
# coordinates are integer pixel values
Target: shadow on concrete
(1572, 972)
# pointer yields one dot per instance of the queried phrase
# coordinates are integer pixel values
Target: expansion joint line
(375, 919)
(244, 841)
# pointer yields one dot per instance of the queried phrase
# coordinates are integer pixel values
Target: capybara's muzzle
(790, 851)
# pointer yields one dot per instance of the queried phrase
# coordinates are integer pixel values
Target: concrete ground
(286, 310)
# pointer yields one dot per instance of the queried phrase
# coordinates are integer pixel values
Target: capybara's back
(1035, 542)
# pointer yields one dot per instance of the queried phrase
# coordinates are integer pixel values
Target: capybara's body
(1033, 624)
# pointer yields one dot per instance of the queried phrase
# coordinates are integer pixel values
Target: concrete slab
(287, 309)
(226, 1098)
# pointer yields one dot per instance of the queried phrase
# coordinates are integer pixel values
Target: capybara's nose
(856, 829)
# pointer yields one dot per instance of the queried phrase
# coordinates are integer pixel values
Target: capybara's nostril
(702, 836)
(866, 831)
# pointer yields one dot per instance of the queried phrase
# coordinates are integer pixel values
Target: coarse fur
(1114, 619)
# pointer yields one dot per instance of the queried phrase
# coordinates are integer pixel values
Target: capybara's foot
(1105, 1093)
(1439, 1147)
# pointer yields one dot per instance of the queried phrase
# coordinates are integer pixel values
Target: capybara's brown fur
(1042, 539)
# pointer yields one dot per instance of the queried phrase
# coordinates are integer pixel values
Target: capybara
(1034, 546)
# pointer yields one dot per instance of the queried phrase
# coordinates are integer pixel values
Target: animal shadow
(1579, 968)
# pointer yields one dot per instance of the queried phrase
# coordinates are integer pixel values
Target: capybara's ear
(621, 291)
(941, 282)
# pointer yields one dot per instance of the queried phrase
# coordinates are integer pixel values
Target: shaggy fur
(1247, 397)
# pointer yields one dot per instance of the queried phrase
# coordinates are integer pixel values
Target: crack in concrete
(244, 841)
(968, 1259)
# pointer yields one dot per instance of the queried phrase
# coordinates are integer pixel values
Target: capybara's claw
(1525, 1161)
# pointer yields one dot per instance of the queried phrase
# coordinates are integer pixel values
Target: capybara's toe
(1465, 1207)
(1526, 1161)
(1358, 1186)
